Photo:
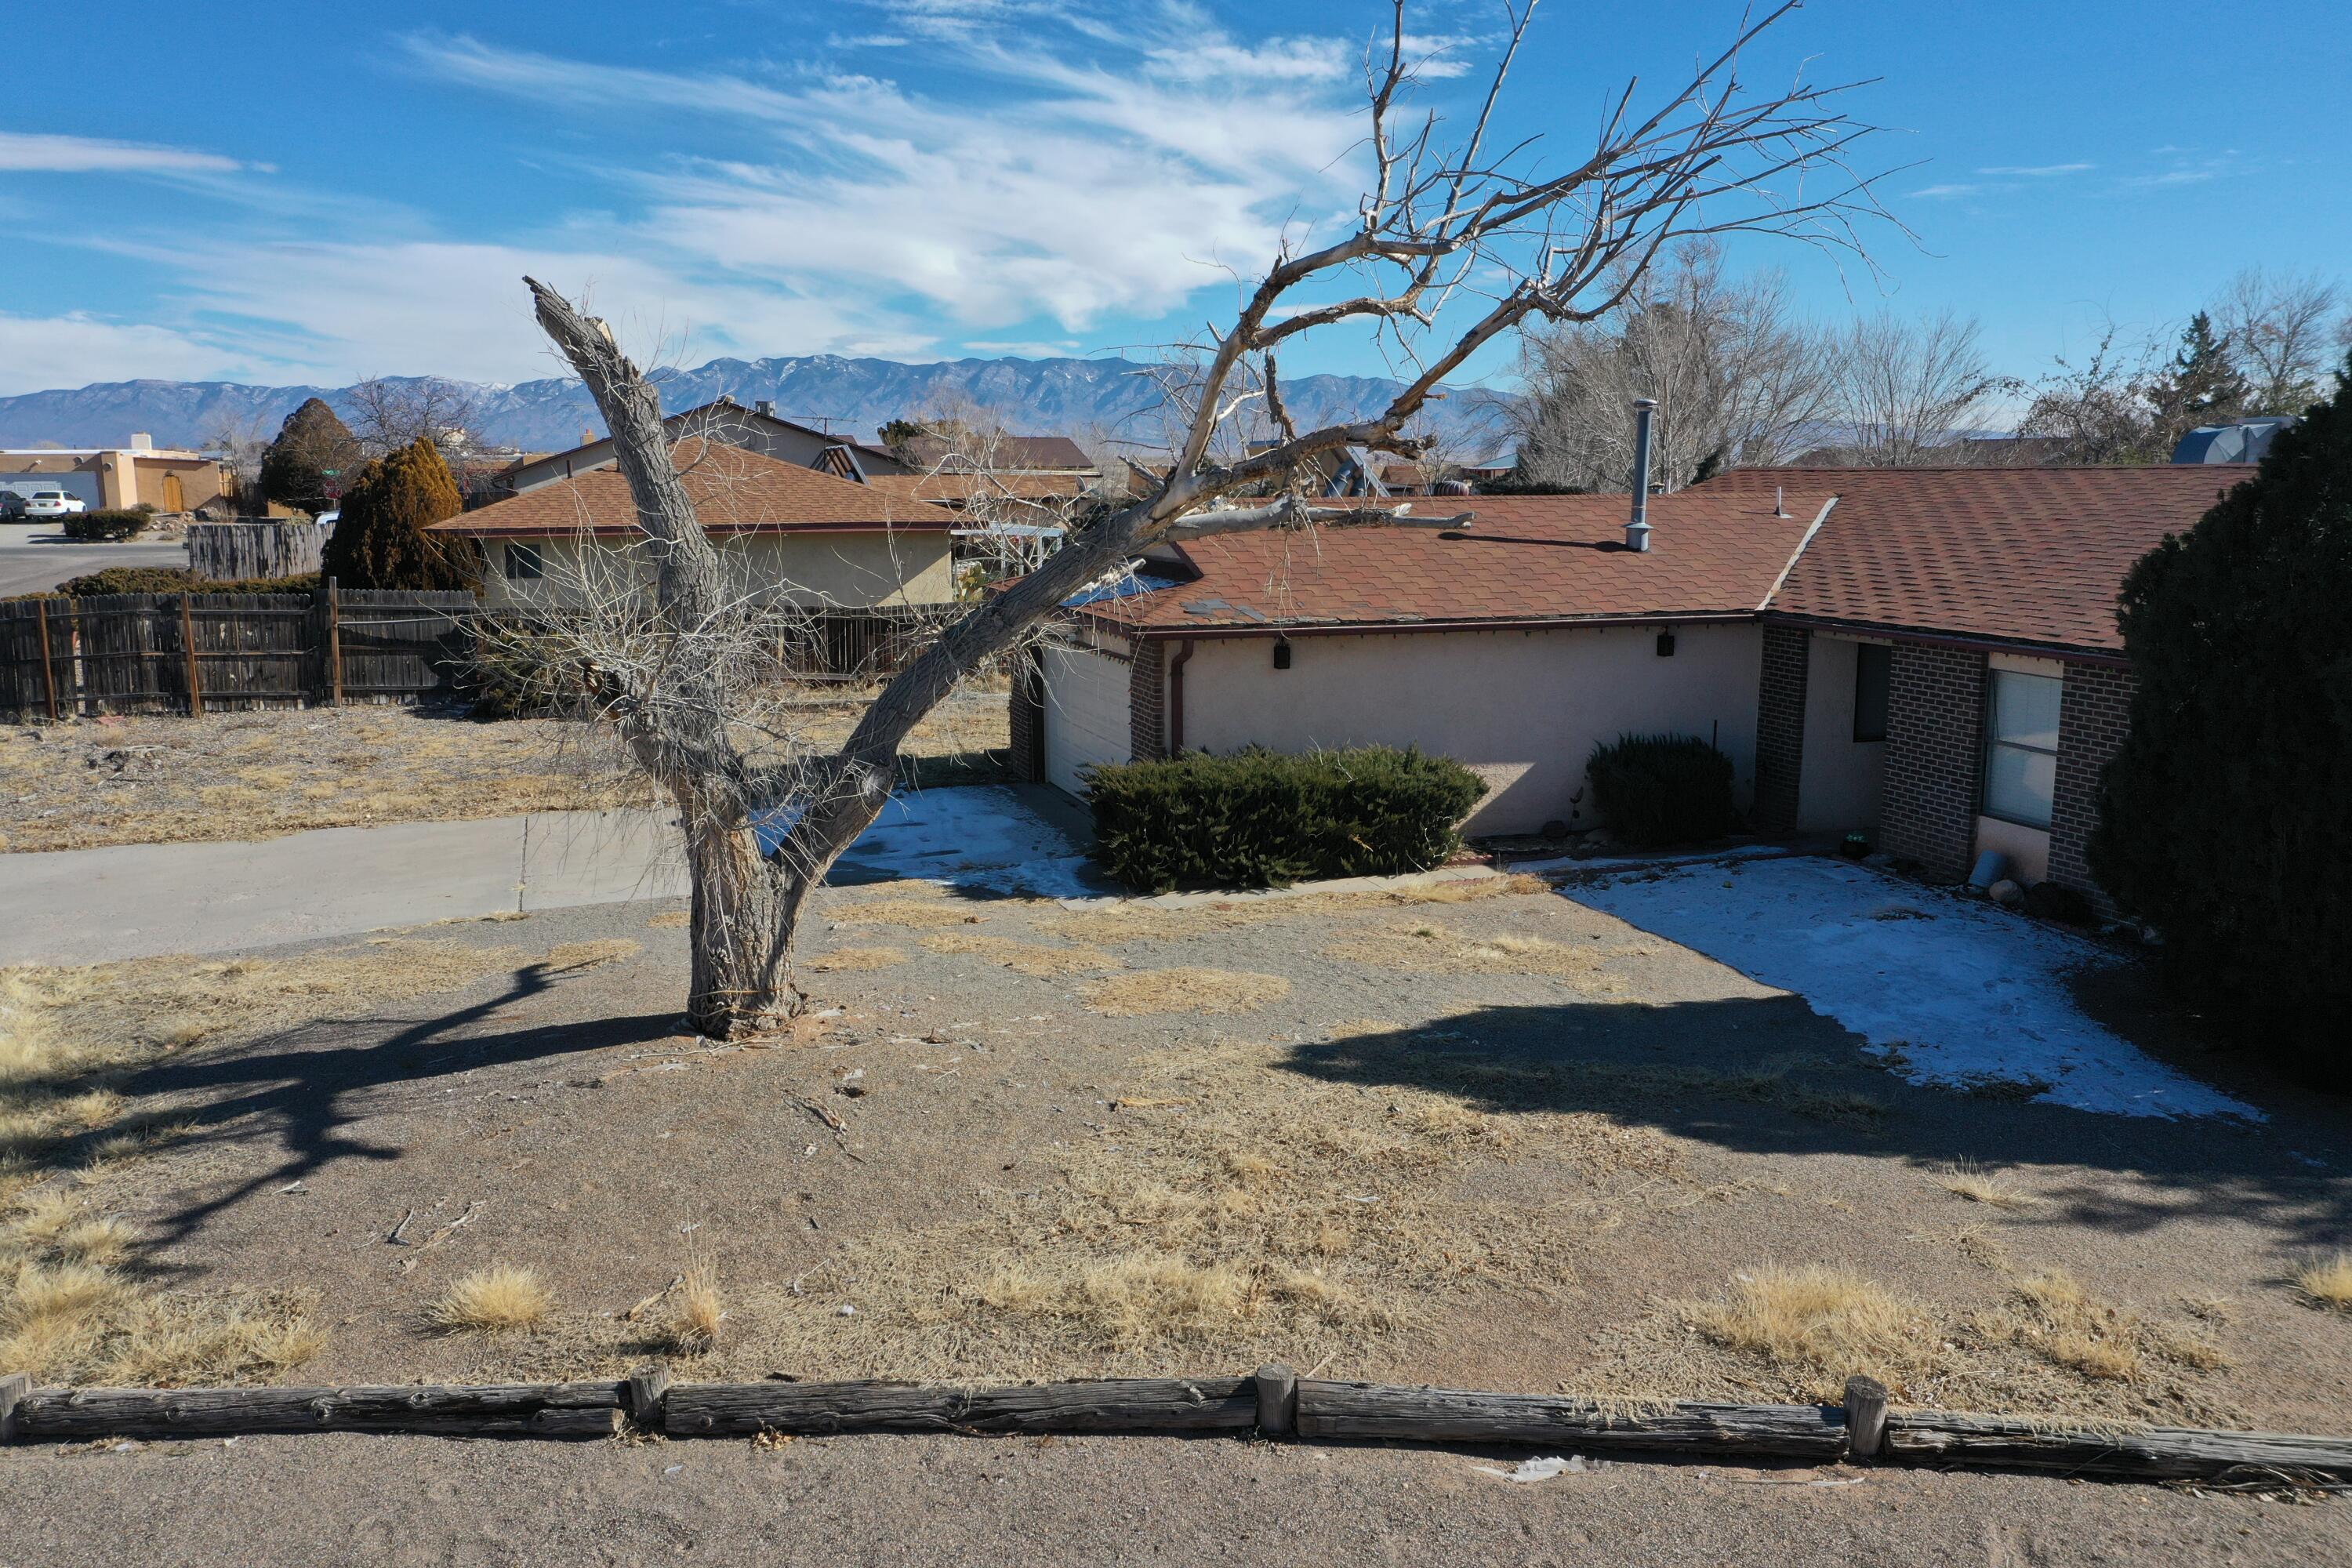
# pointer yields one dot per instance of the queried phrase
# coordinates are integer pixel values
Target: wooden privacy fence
(239, 551)
(1272, 1401)
(188, 653)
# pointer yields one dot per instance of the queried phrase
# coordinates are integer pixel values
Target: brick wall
(1780, 727)
(1147, 700)
(2092, 716)
(1026, 717)
(1934, 724)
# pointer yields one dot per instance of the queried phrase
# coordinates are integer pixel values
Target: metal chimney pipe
(1637, 527)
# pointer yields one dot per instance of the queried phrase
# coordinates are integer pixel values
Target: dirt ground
(165, 779)
(951, 1501)
(1499, 1142)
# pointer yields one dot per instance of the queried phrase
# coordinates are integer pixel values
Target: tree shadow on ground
(310, 1084)
(1769, 1076)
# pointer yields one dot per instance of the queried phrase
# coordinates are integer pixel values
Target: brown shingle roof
(1050, 452)
(1519, 558)
(734, 491)
(953, 489)
(2028, 555)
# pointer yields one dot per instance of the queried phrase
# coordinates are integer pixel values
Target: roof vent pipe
(1637, 527)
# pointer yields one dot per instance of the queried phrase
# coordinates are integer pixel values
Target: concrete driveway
(35, 556)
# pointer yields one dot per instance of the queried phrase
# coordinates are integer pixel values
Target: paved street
(34, 556)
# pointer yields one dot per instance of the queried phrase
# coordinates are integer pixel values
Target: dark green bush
(1257, 818)
(1655, 790)
(173, 579)
(113, 522)
(2223, 819)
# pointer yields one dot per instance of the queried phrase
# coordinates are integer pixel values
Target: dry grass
(2060, 1318)
(575, 955)
(693, 1322)
(1140, 920)
(1818, 1319)
(1969, 1180)
(848, 959)
(73, 1307)
(2327, 1282)
(492, 1300)
(915, 913)
(670, 920)
(1021, 957)
(1184, 990)
(1431, 949)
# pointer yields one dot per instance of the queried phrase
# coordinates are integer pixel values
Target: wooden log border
(1273, 1402)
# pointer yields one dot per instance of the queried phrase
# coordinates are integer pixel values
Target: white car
(54, 503)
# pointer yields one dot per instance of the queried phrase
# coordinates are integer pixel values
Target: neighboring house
(1515, 644)
(1942, 668)
(113, 477)
(728, 423)
(1006, 455)
(790, 532)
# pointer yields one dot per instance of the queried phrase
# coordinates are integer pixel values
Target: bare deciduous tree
(1451, 248)
(387, 415)
(1737, 379)
(1910, 392)
(2278, 326)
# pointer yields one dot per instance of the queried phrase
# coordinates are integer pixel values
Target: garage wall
(1838, 791)
(1523, 709)
(1086, 713)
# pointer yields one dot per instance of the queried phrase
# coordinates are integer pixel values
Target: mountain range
(1092, 399)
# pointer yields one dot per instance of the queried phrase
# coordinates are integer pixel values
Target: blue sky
(289, 193)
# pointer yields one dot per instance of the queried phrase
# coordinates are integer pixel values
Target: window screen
(1871, 665)
(2022, 747)
(524, 563)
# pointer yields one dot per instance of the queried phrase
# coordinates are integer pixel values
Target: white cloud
(1947, 191)
(36, 152)
(2039, 171)
(38, 353)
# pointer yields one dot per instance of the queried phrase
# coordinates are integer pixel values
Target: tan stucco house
(111, 478)
(723, 422)
(791, 534)
(1514, 642)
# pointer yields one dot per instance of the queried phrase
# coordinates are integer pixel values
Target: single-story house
(115, 476)
(1942, 667)
(1929, 657)
(1514, 642)
(800, 534)
(725, 422)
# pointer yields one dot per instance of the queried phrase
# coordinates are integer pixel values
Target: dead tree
(1452, 247)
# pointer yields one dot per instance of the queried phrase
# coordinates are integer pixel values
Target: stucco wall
(1523, 709)
(846, 569)
(1841, 773)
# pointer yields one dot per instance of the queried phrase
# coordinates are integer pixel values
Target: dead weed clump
(1818, 1320)
(848, 959)
(1431, 949)
(492, 1300)
(1021, 957)
(1183, 990)
(2327, 1282)
(1144, 920)
(1966, 1179)
(2057, 1318)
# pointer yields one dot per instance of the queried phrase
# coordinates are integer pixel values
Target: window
(2020, 774)
(524, 563)
(1872, 663)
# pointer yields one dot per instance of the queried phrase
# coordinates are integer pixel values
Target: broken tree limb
(1460, 1415)
(2149, 1453)
(1111, 1405)
(522, 1410)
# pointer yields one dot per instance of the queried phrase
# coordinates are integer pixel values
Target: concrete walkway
(83, 906)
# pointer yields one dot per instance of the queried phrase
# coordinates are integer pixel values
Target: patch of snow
(1951, 994)
(978, 837)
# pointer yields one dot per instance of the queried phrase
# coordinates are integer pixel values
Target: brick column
(1026, 717)
(1934, 721)
(1780, 728)
(2093, 713)
(1147, 700)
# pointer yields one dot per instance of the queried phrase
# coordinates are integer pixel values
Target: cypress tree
(381, 540)
(314, 457)
(2226, 817)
